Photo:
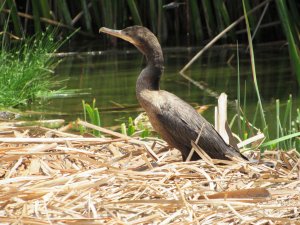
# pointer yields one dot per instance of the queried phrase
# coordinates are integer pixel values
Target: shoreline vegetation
(27, 69)
(188, 22)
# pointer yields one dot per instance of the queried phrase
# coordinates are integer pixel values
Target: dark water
(110, 77)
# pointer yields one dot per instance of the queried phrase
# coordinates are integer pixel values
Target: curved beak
(117, 33)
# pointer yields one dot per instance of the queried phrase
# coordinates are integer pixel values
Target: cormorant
(176, 121)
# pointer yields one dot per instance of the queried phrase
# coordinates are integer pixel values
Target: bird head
(141, 37)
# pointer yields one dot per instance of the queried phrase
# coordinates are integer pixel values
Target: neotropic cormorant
(176, 121)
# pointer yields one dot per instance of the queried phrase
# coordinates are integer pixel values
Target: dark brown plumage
(175, 120)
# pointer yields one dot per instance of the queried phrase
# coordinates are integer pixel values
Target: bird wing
(184, 124)
(180, 118)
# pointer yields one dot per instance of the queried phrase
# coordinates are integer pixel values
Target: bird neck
(150, 76)
(148, 79)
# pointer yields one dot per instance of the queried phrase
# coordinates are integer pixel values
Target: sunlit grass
(287, 126)
(91, 113)
(27, 69)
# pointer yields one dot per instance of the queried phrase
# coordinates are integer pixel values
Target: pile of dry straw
(54, 177)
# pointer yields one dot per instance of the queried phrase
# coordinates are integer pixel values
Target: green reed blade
(224, 16)
(107, 12)
(159, 19)
(281, 139)
(2, 5)
(63, 7)
(36, 16)
(277, 120)
(3, 41)
(153, 15)
(15, 18)
(209, 17)
(288, 114)
(134, 12)
(97, 122)
(94, 103)
(90, 112)
(251, 18)
(282, 133)
(86, 14)
(255, 116)
(219, 20)
(235, 117)
(123, 129)
(264, 123)
(288, 27)
(295, 14)
(84, 110)
(96, 11)
(287, 122)
(244, 111)
(131, 127)
(45, 8)
(120, 15)
(196, 20)
(238, 116)
(238, 103)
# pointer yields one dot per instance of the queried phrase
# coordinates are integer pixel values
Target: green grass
(27, 69)
(262, 114)
(291, 32)
(287, 126)
(92, 114)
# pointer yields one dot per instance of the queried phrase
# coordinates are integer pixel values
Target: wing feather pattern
(182, 123)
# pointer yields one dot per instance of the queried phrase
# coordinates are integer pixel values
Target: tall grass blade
(244, 125)
(63, 7)
(36, 16)
(219, 20)
(97, 121)
(153, 15)
(224, 16)
(238, 89)
(288, 27)
(196, 18)
(93, 115)
(277, 120)
(255, 114)
(264, 123)
(84, 110)
(251, 18)
(86, 14)
(295, 14)
(107, 12)
(123, 129)
(45, 8)
(15, 18)
(134, 12)
(209, 16)
(278, 140)
(159, 19)
(96, 11)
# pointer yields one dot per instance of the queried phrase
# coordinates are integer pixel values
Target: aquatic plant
(287, 127)
(27, 68)
(92, 114)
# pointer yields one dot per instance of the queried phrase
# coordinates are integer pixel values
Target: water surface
(110, 76)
